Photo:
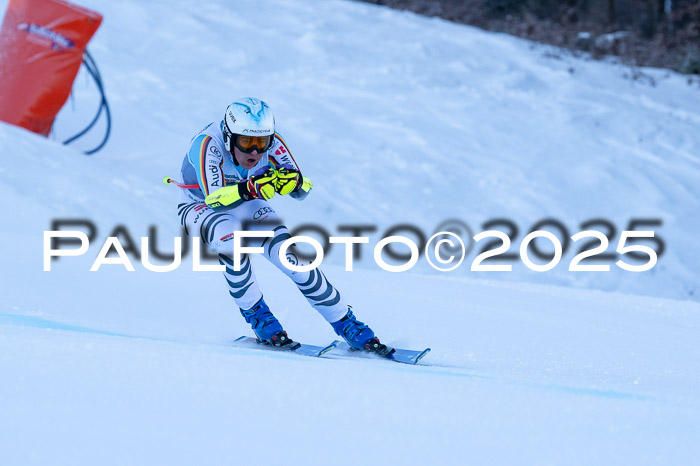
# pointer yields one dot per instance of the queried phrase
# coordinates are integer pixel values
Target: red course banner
(41, 49)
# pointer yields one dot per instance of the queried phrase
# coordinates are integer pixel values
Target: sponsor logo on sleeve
(215, 175)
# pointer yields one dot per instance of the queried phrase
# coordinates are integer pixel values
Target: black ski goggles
(248, 144)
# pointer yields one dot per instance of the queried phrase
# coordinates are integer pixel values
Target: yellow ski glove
(288, 179)
(262, 185)
(259, 186)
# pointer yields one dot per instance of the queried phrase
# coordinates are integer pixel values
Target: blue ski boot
(266, 326)
(359, 336)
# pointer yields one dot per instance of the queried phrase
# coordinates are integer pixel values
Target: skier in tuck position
(237, 166)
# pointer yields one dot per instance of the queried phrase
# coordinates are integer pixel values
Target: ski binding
(399, 355)
(294, 347)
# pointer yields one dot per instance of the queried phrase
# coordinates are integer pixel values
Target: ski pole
(167, 180)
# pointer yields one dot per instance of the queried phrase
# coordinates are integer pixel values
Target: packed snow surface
(397, 119)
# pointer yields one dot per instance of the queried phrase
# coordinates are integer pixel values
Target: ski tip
(240, 338)
(408, 356)
(420, 356)
(328, 348)
(416, 359)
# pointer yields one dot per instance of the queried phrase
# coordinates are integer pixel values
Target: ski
(295, 347)
(399, 355)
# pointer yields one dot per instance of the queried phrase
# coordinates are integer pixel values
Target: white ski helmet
(248, 116)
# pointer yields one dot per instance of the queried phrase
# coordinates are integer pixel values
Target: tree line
(659, 33)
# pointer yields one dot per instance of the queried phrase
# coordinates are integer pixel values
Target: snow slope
(439, 121)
